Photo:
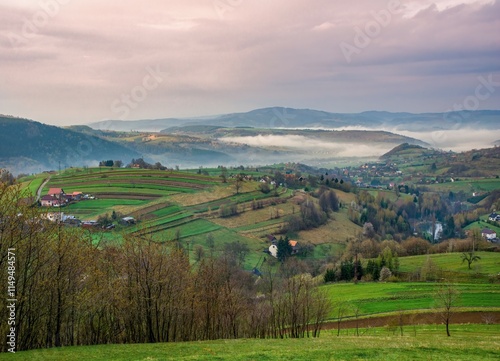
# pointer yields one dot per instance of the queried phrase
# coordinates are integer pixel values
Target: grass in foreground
(468, 342)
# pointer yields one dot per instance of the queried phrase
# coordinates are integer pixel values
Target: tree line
(72, 291)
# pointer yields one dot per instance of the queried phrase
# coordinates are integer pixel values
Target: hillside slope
(27, 146)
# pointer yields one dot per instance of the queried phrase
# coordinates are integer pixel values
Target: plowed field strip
(149, 209)
(132, 181)
(427, 318)
(127, 196)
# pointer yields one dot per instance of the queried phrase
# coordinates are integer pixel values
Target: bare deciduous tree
(446, 297)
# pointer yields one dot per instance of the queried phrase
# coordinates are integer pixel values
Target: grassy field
(468, 185)
(482, 225)
(32, 183)
(489, 264)
(468, 342)
(376, 298)
(94, 207)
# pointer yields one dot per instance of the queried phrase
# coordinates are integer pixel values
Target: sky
(69, 62)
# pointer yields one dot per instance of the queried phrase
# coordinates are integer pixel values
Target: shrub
(385, 274)
(228, 210)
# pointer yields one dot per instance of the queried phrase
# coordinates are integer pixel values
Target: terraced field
(174, 205)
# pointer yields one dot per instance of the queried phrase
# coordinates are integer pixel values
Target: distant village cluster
(58, 198)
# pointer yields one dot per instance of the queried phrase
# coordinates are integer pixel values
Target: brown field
(253, 217)
(261, 232)
(344, 197)
(149, 208)
(135, 195)
(424, 318)
(337, 230)
(212, 194)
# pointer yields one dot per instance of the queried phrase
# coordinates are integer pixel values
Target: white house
(273, 250)
(488, 234)
(494, 217)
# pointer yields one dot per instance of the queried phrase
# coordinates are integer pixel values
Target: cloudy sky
(78, 61)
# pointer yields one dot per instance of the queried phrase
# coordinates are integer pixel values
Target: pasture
(468, 185)
(489, 264)
(468, 342)
(375, 298)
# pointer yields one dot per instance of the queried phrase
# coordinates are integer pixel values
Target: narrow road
(39, 191)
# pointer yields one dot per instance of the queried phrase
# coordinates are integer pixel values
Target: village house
(77, 196)
(488, 234)
(56, 192)
(295, 246)
(56, 197)
(127, 221)
(494, 217)
(50, 201)
(273, 248)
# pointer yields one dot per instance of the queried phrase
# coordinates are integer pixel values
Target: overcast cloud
(72, 61)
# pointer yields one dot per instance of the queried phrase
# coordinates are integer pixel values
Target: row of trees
(70, 291)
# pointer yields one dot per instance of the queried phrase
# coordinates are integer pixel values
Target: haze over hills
(456, 131)
(280, 117)
(261, 136)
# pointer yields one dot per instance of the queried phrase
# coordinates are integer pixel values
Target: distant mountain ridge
(27, 145)
(280, 117)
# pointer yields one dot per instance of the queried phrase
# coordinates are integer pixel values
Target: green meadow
(468, 343)
(489, 264)
(377, 297)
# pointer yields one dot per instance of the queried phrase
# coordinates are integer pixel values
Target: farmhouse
(77, 196)
(127, 221)
(271, 238)
(50, 201)
(488, 234)
(89, 224)
(56, 192)
(494, 217)
(273, 249)
(295, 246)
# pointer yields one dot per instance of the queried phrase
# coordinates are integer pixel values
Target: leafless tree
(446, 297)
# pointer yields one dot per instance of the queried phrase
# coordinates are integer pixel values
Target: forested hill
(28, 144)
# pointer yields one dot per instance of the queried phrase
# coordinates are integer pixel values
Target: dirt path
(416, 319)
(39, 191)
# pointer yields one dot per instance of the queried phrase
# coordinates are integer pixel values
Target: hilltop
(404, 148)
(28, 146)
(432, 162)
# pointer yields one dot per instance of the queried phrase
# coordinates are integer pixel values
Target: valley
(367, 228)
